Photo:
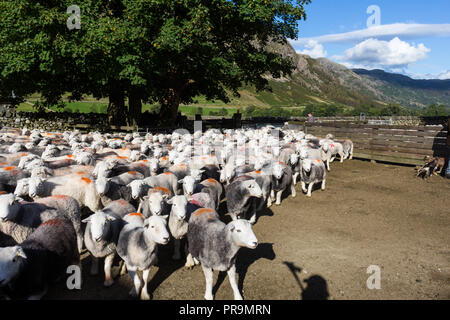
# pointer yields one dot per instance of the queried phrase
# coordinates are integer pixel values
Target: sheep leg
(137, 283)
(272, 194)
(279, 193)
(342, 157)
(94, 266)
(323, 184)
(232, 277)
(144, 292)
(107, 268)
(293, 192)
(123, 268)
(310, 189)
(209, 275)
(189, 261)
(328, 164)
(304, 187)
(176, 250)
(294, 178)
(269, 201)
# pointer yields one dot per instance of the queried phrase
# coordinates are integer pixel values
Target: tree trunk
(135, 108)
(117, 114)
(169, 107)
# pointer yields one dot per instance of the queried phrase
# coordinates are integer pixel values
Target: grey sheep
(44, 257)
(215, 245)
(102, 233)
(32, 214)
(240, 196)
(313, 171)
(138, 248)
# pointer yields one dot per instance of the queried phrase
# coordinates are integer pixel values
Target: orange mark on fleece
(122, 202)
(81, 172)
(120, 157)
(70, 156)
(164, 158)
(60, 196)
(3, 163)
(52, 222)
(258, 172)
(137, 214)
(212, 180)
(318, 160)
(87, 180)
(281, 162)
(144, 160)
(3, 192)
(9, 168)
(165, 190)
(124, 149)
(132, 172)
(203, 211)
(23, 154)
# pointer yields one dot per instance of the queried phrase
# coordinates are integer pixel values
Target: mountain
(321, 81)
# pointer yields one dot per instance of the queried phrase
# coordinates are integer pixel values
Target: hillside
(321, 81)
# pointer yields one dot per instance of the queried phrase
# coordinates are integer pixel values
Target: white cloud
(313, 49)
(445, 75)
(404, 30)
(394, 55)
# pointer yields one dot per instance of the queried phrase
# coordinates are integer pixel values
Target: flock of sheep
(136, 192)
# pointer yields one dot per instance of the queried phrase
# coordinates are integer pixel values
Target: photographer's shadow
(316, 288)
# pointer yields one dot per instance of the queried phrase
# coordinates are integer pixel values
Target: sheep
(313, 171)
(102, 233)
(109, 190)
(138, 248)
(10, 175)
(42, 258)
(264, 179)
(215, 245)
(332, 149)
(79, 187)
(155, 202)
(178, 220)
(213, 188)
(281, 180)
(31, 214)
(240, 196)
(347, 146)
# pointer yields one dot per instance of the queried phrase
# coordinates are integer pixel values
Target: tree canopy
(163, 51)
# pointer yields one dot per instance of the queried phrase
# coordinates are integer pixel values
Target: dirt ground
(320, 248)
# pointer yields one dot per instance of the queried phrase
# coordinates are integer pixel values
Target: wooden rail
(397, 144)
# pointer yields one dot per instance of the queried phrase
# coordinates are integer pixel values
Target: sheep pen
(370, 214)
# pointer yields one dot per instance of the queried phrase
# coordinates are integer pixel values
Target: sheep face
(294, 159)
(227, 173)
(154, 166)
(100, 223)
(157, 229)
(156, 202)
(278, 171)
(22, 187)
(306, 165)
(242, 234)
(35, 185)
(253, 188)
(178, 206)
(11, 261)
(137, 188)
(188, 185)
(197, 174)
(9, 206)
(102, 185)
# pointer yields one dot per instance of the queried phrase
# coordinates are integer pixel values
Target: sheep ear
(165, 216)
(181, 180)
(110, 218)
(165, 196)
(86, 220)
(170, 201)
(21, 253)
(146, 222)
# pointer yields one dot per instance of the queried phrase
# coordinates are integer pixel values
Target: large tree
(141, 50)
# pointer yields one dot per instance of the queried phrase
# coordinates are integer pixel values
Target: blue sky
(413, 37)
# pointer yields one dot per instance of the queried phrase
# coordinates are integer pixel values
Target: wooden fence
(397, 144)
